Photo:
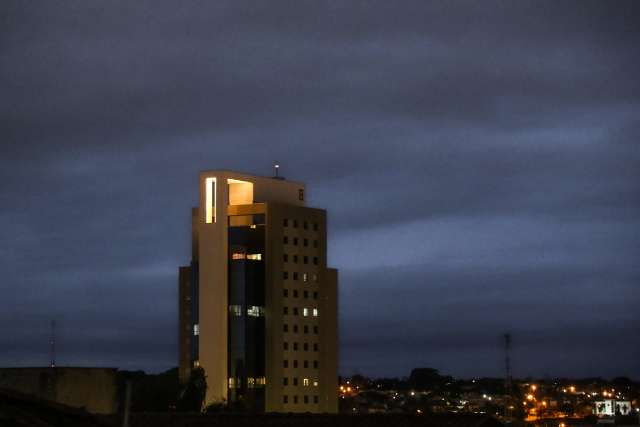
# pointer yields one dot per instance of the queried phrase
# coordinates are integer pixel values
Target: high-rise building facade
(257, 304)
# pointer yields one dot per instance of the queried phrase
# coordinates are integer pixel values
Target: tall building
(258, 305)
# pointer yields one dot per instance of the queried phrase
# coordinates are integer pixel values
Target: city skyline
(478, 163)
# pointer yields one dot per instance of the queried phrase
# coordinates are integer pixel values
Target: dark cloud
(478, 162)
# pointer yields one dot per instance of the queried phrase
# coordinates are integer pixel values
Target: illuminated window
(251, 382)
(254, 257)
(305, 312)
(255, 311)
(315, 312)
(232, 382)
(210, 200)
(315, 383)
(305, 382)
(238, 255)
(261, 381)
(235, 310)
(196, 329)
(315, 277)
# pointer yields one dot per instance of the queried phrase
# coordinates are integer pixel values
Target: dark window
(315, 243)
(285, 327)
(285, 240)
(295, 346)
(295, 363)
(306, 346)
(285, 275)
(285, 399)
(295, 241)
(315, 329)
(305, 242)
(315, 364)
(306, 294)
(301, 194)
(285, 258)
(295, 311)
(285, 345)
(295, 382)
(295, 329)
(315, 399)
(306, 399)
(306, 363)
(315, 226)
(285, 381)
(295, 293)
(305, 225)
(315, 260)
(306, 329)
(295, 275)
(295, 399)
(286, 363)
(295, 259)
(306, 259)
(315, 346)
(315, 295)
(285, 293)
(295, 223)
(285, 222)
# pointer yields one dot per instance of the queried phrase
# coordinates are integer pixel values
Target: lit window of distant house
(305, 312)
(315, 383)
(305, 382)
(315, 312)
(254, 257)
(235, 310)
(238, 255)
(196, 329)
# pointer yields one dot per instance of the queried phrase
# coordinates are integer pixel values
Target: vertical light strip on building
(210, 202)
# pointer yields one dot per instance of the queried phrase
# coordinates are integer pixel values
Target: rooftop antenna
(52, 344)
(507, 378)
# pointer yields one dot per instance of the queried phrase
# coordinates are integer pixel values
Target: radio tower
(507, 378)
(52, 344)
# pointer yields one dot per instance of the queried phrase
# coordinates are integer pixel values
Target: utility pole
(52, 345)
(507, 378)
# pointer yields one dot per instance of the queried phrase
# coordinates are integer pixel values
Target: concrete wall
(93, 389)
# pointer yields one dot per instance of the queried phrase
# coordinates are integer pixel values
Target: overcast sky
(479, 162)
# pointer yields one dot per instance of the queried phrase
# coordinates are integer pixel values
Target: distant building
(611, 407)
(258, 305)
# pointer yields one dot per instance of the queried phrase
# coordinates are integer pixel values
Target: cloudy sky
(479, 162)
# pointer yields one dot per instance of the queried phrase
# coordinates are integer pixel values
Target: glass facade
(246, 349)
